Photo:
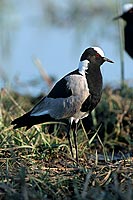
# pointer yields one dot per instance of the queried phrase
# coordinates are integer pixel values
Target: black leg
(75, 140)
(69, 139)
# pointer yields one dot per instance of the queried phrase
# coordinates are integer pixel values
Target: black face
(92, 56)
(128, 16)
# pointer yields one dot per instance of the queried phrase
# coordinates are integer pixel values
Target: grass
(37, 165)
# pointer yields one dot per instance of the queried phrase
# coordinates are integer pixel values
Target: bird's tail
(28, 120)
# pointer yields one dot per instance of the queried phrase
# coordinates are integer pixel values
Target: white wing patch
(39, 113)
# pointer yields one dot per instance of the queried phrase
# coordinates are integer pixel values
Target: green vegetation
(37, 165)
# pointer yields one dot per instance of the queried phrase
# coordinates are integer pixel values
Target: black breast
(90, 103)
(94, 80)
(129, 39)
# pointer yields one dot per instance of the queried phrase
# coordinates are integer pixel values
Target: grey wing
(64, 107)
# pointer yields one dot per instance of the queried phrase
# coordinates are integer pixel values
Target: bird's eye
(97, 55)
(131, 11)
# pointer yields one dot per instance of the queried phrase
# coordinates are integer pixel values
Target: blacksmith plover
(127, 15)
(72, 98)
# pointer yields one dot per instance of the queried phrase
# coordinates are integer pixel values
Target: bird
(72, 98)
(127, 16)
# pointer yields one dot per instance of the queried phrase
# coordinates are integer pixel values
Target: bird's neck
(94, 79)
(93, 76)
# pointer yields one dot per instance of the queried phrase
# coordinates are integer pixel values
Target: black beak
(118, 17)
(107, 60)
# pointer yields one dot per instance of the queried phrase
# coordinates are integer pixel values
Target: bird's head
(127, 12)
(93, 56)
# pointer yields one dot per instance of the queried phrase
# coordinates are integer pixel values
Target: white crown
(99, 51)
(127, 7)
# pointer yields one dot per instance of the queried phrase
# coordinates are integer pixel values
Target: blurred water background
(53, 34)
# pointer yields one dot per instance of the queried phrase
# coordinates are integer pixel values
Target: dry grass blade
(93, 137)
(43, 73)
